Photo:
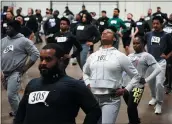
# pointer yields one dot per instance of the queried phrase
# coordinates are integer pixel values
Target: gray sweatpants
(13, 84)
(156, 85)
(110, 108)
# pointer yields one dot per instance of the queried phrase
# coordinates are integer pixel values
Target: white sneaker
(152, 101)
(158, 109)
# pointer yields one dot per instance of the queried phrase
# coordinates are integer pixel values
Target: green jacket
(118, 23)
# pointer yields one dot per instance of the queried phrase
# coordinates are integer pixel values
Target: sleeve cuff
(87, 82)
(129, 87)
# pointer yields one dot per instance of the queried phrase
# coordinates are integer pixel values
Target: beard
(106, 42)
(48, 73)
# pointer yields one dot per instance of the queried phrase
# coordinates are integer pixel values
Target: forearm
(28, 65)
(156, 71)
(93, 116)
(136, 31)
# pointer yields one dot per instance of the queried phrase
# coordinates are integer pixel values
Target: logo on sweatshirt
(9, 48)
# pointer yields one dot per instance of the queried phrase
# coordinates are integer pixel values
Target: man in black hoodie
(55, 98)
(168, 25)
(66, 40)
(159, 13)
(87, 35)
(30, 21)
(103, 22)
(39, 20)
(52, 25)
(143, 26)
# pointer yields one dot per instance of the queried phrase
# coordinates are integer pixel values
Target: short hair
(103, 11)
(112, 28)
(15, 24)
(158, 7)
(141, 39)
(65, 19)
(159, 18)
(18, 10)
(31, 10)
(117, 10)
(59, 50)
(131, 14)
(11, 13)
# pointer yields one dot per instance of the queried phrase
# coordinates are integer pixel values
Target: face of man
(107, 37)
(157, 25)
(10, 31)
(49, 63)
(103, 14)
(149, 11)
(115, 13)
(64, 26)
(29, 11)
(9, 16)
(170, 18)
(20, 19)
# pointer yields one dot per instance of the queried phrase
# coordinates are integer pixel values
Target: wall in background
(126, 6)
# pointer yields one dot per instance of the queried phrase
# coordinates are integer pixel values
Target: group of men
(55, 97)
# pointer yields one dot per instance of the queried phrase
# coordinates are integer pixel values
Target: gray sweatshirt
(142, 61)
(14, 53)
(103, 69)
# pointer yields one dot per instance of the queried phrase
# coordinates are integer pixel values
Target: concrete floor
(146, 112)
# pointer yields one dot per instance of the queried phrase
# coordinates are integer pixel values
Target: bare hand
(120, 34)
(67, 56)
(120, 92)
(88, 86)
(2, 77)
(164, 56)
(89, 43)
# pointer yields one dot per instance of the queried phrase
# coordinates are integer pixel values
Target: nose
(43, 62)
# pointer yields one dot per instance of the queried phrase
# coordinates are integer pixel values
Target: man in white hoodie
(103, 72)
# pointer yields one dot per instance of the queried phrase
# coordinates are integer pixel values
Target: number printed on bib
(102, 23)
(147, 18)
(26, 19)
(45, 18)
(5, 25)
(80, 28)
(61, 39)
(128, 25)
(38, 97)
(139, 23)
(155, 39)
(113, 22)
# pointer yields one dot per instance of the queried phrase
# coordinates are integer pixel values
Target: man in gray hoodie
(15, 51)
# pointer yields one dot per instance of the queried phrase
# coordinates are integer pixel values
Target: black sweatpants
(168, 73)
(132, 100)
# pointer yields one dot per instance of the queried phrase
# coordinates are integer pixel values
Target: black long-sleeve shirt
(86, 32)
(31, 23)
(57, 102)
(103, 23)
(143, 27)
(66, 41)
(52, 25)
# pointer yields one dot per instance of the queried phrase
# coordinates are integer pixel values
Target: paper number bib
(80, 28)
(155, 39)
(38, 97)
(102, 23)
(61, 39)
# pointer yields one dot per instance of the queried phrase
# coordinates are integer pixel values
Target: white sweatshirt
(103, 70)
